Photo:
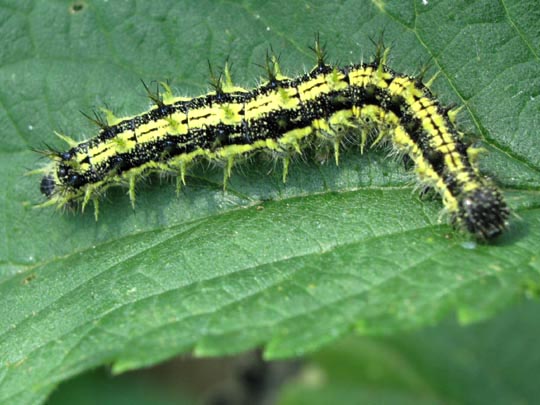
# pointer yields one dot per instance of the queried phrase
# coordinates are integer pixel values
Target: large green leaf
(289, 267)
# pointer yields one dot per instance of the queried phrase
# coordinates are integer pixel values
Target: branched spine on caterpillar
(281, 116)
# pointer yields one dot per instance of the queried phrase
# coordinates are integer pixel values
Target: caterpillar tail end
(484, 213)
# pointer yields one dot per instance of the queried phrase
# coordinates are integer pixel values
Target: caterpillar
(366, 102)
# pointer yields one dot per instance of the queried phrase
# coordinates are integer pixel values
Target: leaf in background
(290, 267)
(98, 387)
(491, 362)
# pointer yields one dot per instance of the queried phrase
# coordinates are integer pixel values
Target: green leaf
(289, 267)
(97, 387)
(493, 362)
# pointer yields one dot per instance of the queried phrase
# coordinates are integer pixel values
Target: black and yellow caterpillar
(283, 115)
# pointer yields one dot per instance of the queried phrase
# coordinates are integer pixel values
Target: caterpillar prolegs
(282, 116)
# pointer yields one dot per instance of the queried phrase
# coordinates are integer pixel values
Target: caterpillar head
(47, 185)
(61, 187)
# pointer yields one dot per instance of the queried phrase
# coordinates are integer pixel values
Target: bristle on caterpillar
(369, 102)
